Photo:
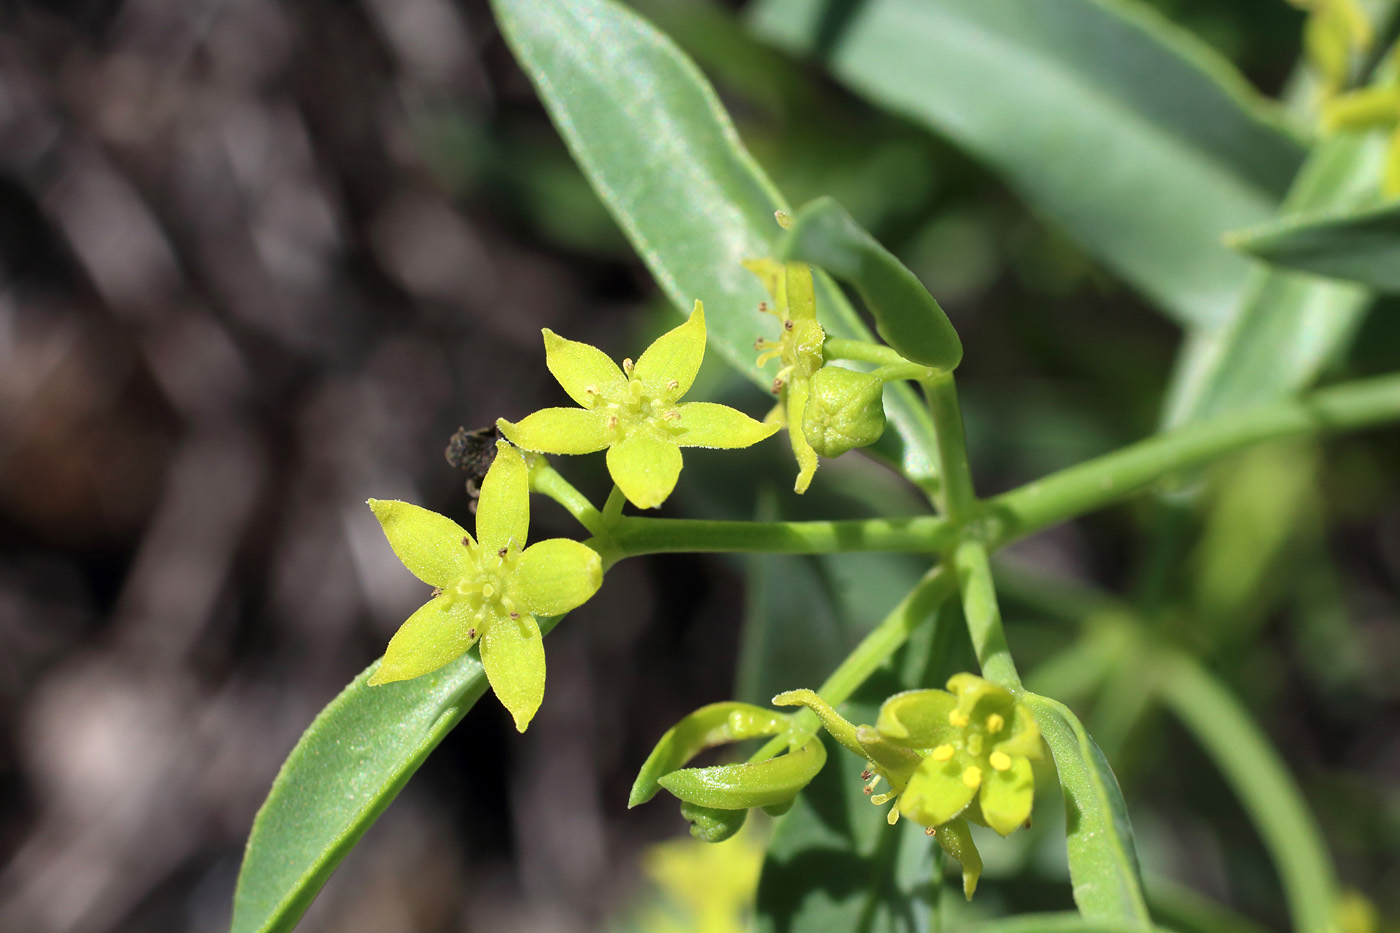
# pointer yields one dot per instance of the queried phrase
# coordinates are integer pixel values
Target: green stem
(896, 372)
(546, 480)
(1098, 482)
(634, 535)
(959, 501)
(984, 615)
(860, 351)
(612, 509)
(874, 649)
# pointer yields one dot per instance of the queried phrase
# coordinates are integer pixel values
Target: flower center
(640, 409)
(488, 590)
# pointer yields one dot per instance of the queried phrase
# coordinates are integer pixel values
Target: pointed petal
(806, 456)
(956, 839)
(430, 545)
(557, 576)
(937, 792)
(558, 431)
(585, 372)
(918, 718)
(503, 511)
(512, 651)
(645, 467)
(676, 355)
(433, 636)
(1007, 796)
(706, 424)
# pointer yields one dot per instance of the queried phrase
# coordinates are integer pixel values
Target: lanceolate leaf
(657, 146)
(349, 765)
(1103, 864)
(1142, 143)
(1290, 324)
(1360, 246)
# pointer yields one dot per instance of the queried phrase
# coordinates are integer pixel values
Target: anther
(867, 774)
(502, 552)
(673, 385)
(788, 325)
(471, 633)
(868, 791)
(437, 591)
(763, 307)
(1000, 760)
(972, 777)
(777, 385)
(627, 367)
(995, 723)
(466, 542)
(942, 753)
(958, 719)
(515, 615)
(929, 830)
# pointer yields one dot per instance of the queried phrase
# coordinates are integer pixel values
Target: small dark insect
(472, 452)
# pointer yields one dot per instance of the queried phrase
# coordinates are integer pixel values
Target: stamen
(995, 723)
(972, 777)
(503, 551)
(958, 718)
(942, 753)
(466, 542)
(673, 385)
(868, 790)
(929, 830)
(627, 367)
(471, 633)
(893, 816)
(867, 774)
(515, 615)
(437, 591)
(883, 799)
(1000, 760)
(777, 385)
(788, 325)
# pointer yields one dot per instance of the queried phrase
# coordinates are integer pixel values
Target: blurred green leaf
(906, 315)
(658, 147)
(1261, 781)
(1359, 246)
(1290, 325)
(1128, 131)
(1103, 863)
(1057, 923)
(347, 767)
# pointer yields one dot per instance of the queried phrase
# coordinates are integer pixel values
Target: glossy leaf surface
(1358, 246)
(1141, 142)
(1103, 863)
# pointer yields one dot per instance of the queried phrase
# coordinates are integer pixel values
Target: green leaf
(657, 146)
(908, 318)
(1261, 781)
(1359, 246)
(347, 767)
(1103, 865)
(1141, 142)
(1289, 325)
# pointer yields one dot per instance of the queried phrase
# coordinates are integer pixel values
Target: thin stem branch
(612, 509)
(547, 481)
(1098, 482)
(634, 535)
(983, 615)
(860, 351)
(959, 500)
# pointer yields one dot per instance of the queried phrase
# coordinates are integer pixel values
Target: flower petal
(918, 718)
(503, 511)
(706, 424)
(675, 355)
(512, 651)
(433, 636)
(584, 371)
(557, 576)
(797, 391)
(1007, 796)
(558, 431)
(937, 791)
(645, 467)
(430, 545)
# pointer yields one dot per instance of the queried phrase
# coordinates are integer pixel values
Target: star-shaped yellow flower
(490, 588)
(634, 411)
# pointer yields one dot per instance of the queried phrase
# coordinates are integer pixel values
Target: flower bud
(844, 411)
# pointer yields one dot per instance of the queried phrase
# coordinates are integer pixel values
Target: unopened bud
(844, 411)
